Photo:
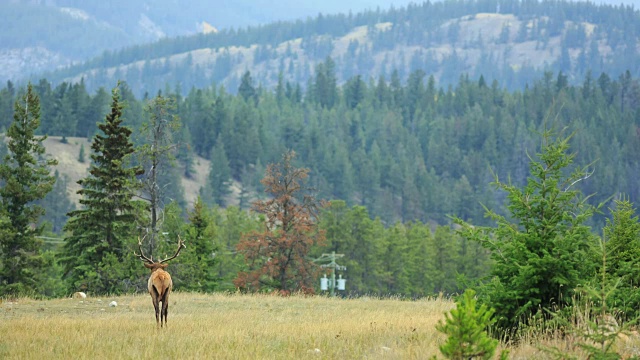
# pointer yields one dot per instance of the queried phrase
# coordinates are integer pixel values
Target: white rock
(113, 304)
(79, 295)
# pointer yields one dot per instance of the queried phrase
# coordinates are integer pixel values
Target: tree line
(406, 151)
(118, 210)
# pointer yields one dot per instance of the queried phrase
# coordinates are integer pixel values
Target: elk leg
(165, 309)
(155, 298)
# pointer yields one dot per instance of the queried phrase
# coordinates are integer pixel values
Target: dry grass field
(220, 327)
(230, 326)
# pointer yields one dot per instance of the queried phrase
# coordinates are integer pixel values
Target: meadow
(231, 326)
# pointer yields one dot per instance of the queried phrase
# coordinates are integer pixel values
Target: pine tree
(98, 233)
(277, 256)
(466, 326)
(246, 89)
(24, 178)
(218, 181)
(81, 154)
(57, 204)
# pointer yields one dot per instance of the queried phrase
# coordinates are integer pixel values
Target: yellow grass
(221, 327)
(233, 326)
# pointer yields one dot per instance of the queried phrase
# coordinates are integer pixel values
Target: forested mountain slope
(405, 150)
(512, 41)
(39, 35)
(421, 140)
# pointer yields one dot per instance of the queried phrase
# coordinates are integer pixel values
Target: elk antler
(180, 246)
(141, 255)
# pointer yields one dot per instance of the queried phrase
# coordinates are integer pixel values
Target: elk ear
(148, 266)
(164, 266)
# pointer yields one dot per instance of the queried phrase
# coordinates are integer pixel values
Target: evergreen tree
(246, 89)
(231, 224)
(394, 270)
(445, 249)
(218, 181)
(7, 98)
(24, 178)
(91, 114)
(466, 327)
(539, 259)
(81, 154)
(622, 234)
(97, 245)
(354, 92)
(324, 90)
(57, 204)
(200, 256)
(203, 121)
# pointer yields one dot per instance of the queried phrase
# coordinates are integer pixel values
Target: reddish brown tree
(276, 257)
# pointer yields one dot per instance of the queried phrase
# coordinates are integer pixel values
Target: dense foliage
(24, 178)
(405, 151)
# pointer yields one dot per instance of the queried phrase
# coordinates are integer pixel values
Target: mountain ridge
(514, 45)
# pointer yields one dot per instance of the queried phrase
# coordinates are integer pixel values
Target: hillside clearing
(68, 153)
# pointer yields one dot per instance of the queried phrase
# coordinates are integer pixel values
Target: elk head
(159, 283)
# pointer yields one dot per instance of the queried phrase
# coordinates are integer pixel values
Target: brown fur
(159, 286)
(160, 283)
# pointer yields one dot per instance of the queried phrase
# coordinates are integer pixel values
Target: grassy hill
(68, 153)
(478, 34)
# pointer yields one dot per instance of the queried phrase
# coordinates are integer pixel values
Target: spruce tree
(24, 178)
(540, 251)
(201, 253)
(622, 233)
(98, 232)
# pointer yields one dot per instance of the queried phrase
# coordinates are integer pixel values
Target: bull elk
(159, 283)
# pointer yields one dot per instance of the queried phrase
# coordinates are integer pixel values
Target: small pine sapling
(466, 326)
(592, 323)
(81, 154)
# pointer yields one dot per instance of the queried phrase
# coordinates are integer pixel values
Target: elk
(159, 283)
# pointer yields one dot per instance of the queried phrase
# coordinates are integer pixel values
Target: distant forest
(433, 36)
(404, 150)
